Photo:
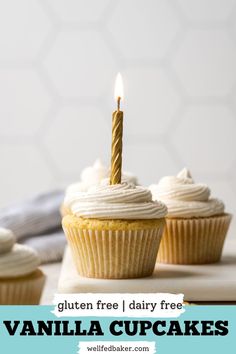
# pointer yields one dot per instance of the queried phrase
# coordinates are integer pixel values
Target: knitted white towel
(37, 222)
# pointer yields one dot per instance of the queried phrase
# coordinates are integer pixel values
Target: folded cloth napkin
(50, 247)
(37, 222)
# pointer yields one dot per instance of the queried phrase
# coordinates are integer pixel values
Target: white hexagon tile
(205, 139)
(144, 29)
(76, 136)
(207, 10)
(74, 11)
(147, 107)
(80, 64)
(58, 63)
(137, 159)
(25, 102)
(205, 62)
(23, 28)
(25, 172)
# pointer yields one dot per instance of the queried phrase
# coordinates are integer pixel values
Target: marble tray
(215, 282)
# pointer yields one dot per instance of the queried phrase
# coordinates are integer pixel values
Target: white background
(58, 62)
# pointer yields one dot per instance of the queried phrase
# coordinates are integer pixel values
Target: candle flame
(119, 90)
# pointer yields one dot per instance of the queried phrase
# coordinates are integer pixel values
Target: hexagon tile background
(58, 62)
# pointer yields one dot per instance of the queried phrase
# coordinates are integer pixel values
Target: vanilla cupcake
(114, 231)
(92, 176)
(21, 282)
(196, 224)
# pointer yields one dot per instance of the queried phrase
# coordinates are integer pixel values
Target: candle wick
(118, 103)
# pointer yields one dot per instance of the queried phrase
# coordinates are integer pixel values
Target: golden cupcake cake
(21, 282)
(196, 223)
(114, 231)
(92, 176)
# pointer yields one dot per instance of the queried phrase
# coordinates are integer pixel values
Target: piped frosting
(7, 240)
(184, 198)
(93, 175)
(15, 259)
(119, 201)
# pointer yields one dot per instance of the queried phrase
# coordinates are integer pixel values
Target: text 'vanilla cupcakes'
(21, 282)
(196, 225)
(114, 231)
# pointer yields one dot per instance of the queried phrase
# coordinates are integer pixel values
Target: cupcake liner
(24, 290)
(193, 241)
(114, 254)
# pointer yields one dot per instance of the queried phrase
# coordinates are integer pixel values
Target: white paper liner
(193, 241)
(114, 254)
(22, 290)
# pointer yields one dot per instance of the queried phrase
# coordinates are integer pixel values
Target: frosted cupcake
(114, 231)
(196, 224)
(92, 176)
(21, 282)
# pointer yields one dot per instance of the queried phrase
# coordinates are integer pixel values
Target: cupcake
(196, 224)
(114, 231)
(92, 176)
(21, 282)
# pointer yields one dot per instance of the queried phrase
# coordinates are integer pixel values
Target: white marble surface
(52, 272)
(215, 282)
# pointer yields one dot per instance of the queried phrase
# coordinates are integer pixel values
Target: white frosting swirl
(93, 175)
(119, 201)
(20, 261)
(7, 240)
(184, 198)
